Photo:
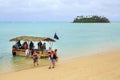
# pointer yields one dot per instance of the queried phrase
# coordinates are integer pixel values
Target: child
(35, 58)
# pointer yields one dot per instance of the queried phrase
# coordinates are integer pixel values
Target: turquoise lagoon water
(75, 40)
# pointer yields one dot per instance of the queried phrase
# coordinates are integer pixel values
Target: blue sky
(57, 10)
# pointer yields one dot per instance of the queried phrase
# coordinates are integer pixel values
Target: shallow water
(75, 40)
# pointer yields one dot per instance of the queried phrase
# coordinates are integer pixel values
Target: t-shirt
(27, 52)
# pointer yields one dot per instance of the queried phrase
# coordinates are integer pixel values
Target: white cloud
(56, 9)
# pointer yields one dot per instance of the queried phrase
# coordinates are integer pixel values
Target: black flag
(56, 37)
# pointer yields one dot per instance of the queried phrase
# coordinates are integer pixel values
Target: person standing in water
(51, 60)
(27, 51)
(55, 55)
(35, 58)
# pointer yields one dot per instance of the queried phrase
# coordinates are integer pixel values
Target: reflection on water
(16, 63)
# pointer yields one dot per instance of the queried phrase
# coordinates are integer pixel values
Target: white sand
(104, 66)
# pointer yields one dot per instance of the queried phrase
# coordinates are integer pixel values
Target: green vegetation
(92, 19)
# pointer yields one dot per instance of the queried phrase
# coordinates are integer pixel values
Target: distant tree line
(91, 19)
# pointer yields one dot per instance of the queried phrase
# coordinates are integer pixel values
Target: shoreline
(103, 66)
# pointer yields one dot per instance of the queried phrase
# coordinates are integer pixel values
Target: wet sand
(101, 66)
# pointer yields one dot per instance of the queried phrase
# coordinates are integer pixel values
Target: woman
(51, 59)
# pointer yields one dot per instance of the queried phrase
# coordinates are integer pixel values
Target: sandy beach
(101, 66)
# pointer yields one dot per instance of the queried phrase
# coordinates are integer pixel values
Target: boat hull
(22, 53)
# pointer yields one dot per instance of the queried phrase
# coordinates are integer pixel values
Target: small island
(91, 19)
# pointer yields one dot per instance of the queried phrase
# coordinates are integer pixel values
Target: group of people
(30, 51)
(52, 57)
(41, 46)
(34, 54)
(18, 45)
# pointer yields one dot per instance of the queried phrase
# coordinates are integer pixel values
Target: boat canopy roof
(32, 38)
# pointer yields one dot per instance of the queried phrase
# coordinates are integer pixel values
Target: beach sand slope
(103, 66)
